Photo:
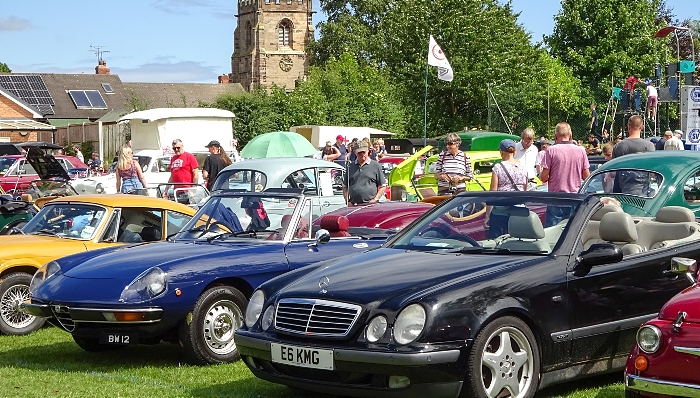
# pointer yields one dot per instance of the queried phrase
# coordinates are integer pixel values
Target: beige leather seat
(671, 224)
(523, 228)
(591, 234)
(619, 228)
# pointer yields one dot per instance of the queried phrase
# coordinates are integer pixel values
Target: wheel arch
(27, 269)
(238, 283)
(509, 306)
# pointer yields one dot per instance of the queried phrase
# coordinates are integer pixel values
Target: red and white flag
(437, 58)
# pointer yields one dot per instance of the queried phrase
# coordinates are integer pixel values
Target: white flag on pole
(437, 58)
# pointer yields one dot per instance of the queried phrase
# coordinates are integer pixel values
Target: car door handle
(326, 204)
(556, 299)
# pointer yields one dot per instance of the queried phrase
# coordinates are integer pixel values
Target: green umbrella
(278, 144)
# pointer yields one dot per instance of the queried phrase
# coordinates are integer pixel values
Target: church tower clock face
(271, 34)
(286, 63)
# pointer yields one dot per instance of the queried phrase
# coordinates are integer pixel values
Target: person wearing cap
(668, 134)
(214, 163)
(678, 134)
(365, 183)
(78, 153)
(674, 143)
(508, 175)
(453, 167)
(341, 159)
(183, 165)
(564, 166)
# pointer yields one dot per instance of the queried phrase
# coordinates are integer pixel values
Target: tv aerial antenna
(98, 50)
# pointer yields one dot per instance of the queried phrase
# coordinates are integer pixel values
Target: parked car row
(483, 294)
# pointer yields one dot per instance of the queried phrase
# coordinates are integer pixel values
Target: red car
(386, 215)
(16, 172)
(666, 359)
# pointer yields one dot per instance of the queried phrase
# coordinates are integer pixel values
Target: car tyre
(632, 394)
(14, 289)
(207, 333)
(93, 344)
(504, 361)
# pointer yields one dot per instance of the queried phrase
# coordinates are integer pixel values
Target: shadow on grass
(254, 388)
(603, 386)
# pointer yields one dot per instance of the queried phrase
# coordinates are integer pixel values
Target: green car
(406, 186)
(646, 182)
(478, 140)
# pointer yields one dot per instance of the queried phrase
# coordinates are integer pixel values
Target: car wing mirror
(684, 266)
(597, 254)
(322, 236)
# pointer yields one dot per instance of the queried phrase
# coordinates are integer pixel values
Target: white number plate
(305, 357)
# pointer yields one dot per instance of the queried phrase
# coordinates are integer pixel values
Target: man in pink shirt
(564, 166)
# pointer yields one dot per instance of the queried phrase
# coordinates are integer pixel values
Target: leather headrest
(675, 214)
(598, 215)
(618, 227)
(334, 223)
(529, 227)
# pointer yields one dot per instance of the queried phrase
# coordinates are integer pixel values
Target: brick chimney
(223, 79)
(101, 68)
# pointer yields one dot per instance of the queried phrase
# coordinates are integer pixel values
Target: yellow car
(74, 224)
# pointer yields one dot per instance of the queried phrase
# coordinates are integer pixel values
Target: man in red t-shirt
(183, 165)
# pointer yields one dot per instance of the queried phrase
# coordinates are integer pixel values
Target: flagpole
(425, 109)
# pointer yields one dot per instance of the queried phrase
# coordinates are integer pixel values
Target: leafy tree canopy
(4, 68)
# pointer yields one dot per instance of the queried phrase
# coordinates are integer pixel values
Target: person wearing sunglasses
(453, 168)
(183, 165)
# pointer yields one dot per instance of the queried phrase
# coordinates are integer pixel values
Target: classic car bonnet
(172, 257)
(383, 274)
(687, 301)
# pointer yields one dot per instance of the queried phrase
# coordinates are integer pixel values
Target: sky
(165, 41)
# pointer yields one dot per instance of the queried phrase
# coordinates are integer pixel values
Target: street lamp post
(663, 33)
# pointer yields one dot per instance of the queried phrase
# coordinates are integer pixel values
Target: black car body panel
(584, 317)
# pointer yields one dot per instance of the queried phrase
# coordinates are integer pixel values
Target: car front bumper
(98, 315)
(362, 373)
(662, 387)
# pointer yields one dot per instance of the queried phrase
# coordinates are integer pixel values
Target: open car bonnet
(45, 164)
(404, 172)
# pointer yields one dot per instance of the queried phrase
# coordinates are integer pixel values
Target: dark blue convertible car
(192, 290)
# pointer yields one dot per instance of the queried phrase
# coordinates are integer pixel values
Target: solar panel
(30, 89)
(96, 99)
(87, 99)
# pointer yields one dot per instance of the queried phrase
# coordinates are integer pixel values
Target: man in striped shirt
(453, 167)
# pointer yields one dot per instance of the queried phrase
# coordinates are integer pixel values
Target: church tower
(269, 43)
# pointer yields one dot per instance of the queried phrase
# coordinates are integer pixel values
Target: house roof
(125, 96)
(24, 105)
(24, 125)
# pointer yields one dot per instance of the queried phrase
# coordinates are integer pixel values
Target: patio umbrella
(278, 144)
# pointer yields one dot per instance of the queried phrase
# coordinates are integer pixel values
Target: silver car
(317, 179)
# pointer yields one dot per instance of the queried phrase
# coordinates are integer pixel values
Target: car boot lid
(45, 164)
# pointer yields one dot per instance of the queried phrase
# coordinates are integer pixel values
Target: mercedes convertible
(489, 294)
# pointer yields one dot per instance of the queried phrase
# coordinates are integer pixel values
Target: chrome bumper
(638, 383)
(99, 315)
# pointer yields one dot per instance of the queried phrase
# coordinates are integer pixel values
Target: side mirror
(322, 236)
(597, 254)
(685, 266)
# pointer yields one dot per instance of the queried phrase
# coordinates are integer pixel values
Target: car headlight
(649, 338)
(146, 286)
(268, 317)
(376, 328)
(255, 307)
(99, 188)
(409, 324)
(44, 273)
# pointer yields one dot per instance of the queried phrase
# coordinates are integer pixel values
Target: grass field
(48, 363)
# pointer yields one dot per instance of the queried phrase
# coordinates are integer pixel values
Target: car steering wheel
(464, 238)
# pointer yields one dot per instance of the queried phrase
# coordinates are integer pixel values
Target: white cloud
(15, 23)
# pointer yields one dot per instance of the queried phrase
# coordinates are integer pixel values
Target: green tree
(607, 39)
(4, 68)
